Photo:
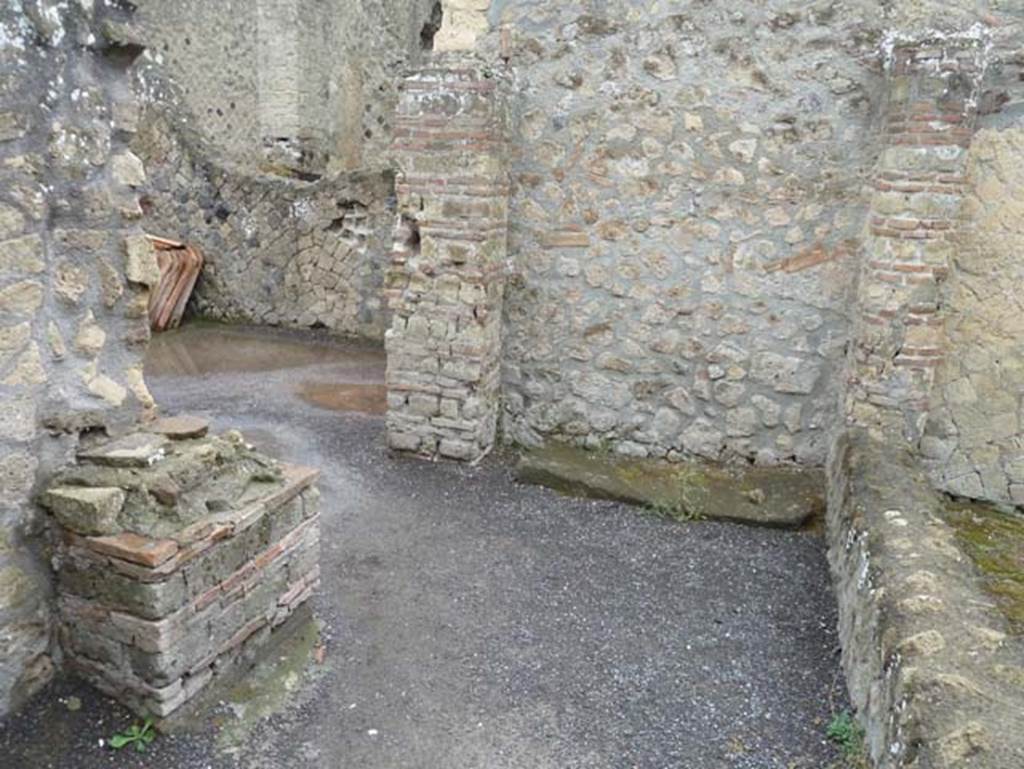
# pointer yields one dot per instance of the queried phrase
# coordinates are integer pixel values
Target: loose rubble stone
(136, 450)
(86, 510)
(180, 427)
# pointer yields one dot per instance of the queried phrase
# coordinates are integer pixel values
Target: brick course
(445, 285)
(150, 619)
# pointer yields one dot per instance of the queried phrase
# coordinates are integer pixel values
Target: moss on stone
(267, 688)
(994, 541)
(771, 496)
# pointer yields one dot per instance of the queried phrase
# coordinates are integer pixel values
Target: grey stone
(86, 510)
(779, 497)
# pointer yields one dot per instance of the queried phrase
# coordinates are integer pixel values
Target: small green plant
(139, 736)
(845, 732)
(689, 502)
(677, 511)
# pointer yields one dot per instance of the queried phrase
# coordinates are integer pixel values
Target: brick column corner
(914, 218)
(446, 281)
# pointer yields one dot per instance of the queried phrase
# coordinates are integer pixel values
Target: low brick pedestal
(177, 557)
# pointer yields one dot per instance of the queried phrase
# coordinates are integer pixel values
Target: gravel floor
(470, 622)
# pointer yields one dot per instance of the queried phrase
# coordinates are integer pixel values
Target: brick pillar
(914, 219)
(446, 281)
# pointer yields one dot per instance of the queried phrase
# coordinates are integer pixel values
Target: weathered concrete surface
(472, 622)
(767, 496)
(930, 666)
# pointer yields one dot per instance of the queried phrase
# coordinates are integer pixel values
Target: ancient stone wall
(929, 660)
(972, 440)
(157, 594)
(932, 91)
(686, 223)
(305, 83)
(279, 251)
(268, 144)
(74, 278)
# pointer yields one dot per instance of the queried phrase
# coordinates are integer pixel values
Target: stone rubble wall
(268, 144)
(75, 274)
(972, 440)
(930, 667)
(447, 278)
(687, 218)
(732, 225)
(278, 251)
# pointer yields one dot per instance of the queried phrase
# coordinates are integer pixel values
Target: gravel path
(473, 623)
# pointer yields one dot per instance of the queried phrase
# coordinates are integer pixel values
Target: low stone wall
(933, 673)
(176, 559)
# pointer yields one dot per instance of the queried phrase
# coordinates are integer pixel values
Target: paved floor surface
(466, 622)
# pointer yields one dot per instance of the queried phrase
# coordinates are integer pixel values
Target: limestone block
(55, 340)
(105, 388)
(17, 475)
(465, 21)
(90, 338)
(23, 298)
(28, 369)
(12, 222)
(86, 510)
(127, 169)
(14, 338)
(22, 255)
(141, 263)
(17, 419)
(70, 282)
(786, 374)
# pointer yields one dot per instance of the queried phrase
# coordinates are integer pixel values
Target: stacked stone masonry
(279, 251)
(170, 578)
(75, 276)
(972, 440)
(933, 91)
(446, 282)
(686, 223)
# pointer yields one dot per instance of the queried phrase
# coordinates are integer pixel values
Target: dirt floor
(467, 622)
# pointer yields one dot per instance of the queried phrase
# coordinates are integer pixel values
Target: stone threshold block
(778, 497)
(178, 555)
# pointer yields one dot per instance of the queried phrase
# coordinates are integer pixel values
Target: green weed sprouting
(139, 736)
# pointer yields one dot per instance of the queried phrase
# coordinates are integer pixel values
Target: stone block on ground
(186, 552)
(786, 497)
